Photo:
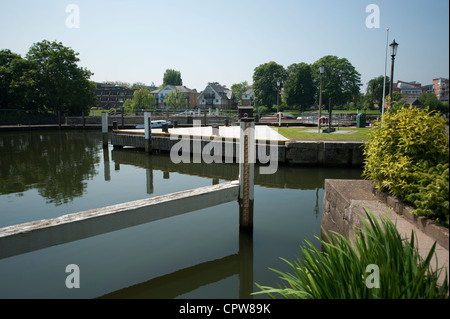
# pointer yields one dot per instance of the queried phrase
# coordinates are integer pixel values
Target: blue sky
(223, 41)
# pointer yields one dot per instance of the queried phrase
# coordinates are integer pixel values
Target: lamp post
(321, 70)
(278, 90)
(393, 46)
(278, 102)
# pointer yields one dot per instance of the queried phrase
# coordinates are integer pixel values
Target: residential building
(191, 96)
(441, 88)
(409, 90)
(112, 96)
(217, 96)
(247, 97)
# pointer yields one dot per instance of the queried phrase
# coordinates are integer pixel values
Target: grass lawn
(310, 133)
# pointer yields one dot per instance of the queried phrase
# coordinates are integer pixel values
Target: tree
(172, 77)
(341, 81)
(430, 100)
(265, 79)
(175, 100)
(139, 85)
(374, 91)
(238, 89)
(142, 100)
(299, 88)
(61, 85)
(15, 81)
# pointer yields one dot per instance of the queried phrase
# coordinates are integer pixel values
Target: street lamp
(278, 98)
(321, 71)
(278, 93)
(393, 46)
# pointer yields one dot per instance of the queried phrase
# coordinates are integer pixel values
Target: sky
(224, 41)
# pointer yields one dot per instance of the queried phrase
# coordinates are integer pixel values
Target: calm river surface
(46, 174)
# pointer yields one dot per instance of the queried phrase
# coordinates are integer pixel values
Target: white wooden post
(148, 132)
(246, 174)
(105, 128)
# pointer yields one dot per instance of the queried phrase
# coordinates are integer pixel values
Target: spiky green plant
(339, 270)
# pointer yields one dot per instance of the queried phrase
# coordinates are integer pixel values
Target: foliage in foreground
(407, 155)
(338, 271)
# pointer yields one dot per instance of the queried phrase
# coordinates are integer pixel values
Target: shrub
(339, 270)
(407, 155)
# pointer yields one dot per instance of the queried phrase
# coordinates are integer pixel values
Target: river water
(46, 174)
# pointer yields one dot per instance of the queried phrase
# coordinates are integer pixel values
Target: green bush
(407, 155)
(340, 269)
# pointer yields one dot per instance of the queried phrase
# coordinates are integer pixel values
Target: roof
(180, 88)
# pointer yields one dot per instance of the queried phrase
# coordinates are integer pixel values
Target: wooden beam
(23, 238)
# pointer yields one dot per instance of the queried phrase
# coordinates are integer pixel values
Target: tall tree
(299, 88)
(175, 100)
(15, 81)
(142, 100)
(172, 77)
(341, 81)
(61, 85)
(265, 79)
(238, 89)
(374, 91)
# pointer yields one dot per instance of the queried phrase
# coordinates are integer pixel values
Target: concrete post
(246, 174)
(148, 132)
(84, 119)
(105, 128)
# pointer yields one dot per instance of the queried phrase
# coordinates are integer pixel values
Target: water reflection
(183, 281)
(195, 255)
(57, 164)
(291, 177)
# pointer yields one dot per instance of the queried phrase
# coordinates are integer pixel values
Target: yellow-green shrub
(407, 155)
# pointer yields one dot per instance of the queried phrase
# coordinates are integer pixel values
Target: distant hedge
(407, 155)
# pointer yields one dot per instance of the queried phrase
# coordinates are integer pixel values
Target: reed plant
(339, 270)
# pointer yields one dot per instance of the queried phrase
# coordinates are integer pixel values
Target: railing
(337, 119)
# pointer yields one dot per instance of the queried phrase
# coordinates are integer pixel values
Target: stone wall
(325, 153)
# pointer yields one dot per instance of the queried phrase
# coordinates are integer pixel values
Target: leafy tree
(430, 100)
(238, 89)
(15, 81)
(172, 77)
(299, 86)
(139, 85)
(341, 81)
(374, 91)
(61, 85)
(175, 100)
(265, 79)
(142, 100)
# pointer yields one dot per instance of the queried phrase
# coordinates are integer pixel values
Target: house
(217, 96)
(112, 96)
(247, 97)
(413, 101)
(441, 88)
(191, 96)
(409, 90)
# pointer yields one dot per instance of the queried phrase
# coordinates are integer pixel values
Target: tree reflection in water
(56, 163)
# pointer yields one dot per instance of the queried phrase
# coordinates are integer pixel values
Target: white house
(217, 96)
(190, 95)
(247, 97)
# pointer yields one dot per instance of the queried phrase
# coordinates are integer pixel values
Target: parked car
(156, 124)
(185, 113)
